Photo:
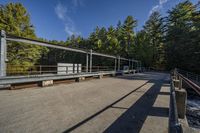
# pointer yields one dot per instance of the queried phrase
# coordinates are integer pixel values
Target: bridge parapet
(177, 116)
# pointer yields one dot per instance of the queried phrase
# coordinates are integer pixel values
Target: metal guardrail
(189, 75)
(174, 125)
(15, 70)
(178, 75)
(194, 85)
(89, 53)
(36, 78)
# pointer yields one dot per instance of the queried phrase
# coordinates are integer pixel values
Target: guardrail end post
(3, 51)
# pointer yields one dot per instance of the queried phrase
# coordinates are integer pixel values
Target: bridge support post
(3, 52)
(90, 60)
(86, 69)
(119, 63)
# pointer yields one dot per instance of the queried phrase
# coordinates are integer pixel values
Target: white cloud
(158, 7)
(161, 2)
(62, 13)
(154, 9)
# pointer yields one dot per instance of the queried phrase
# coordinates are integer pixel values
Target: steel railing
(189, 75)
(184, 76)
(13, 70)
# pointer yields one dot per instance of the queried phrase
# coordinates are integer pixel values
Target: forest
(164, 42)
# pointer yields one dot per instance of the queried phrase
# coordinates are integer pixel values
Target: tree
(15, 20)
(113, 46)
(182, 37)
(143, 50)
(127, 35)
(154, 29)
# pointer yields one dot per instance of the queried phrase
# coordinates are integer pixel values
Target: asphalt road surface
(123, 104)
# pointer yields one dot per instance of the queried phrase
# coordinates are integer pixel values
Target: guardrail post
(129, 64)
(115, 64)
(118, 63)
(40, 69)
(3, 52)
(86, 62)
(91, 60)
(77, 68)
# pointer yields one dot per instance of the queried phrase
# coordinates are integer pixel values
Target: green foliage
(182, 37)
(164, 42)
(154, 29)
(143, 50)
(15, 20)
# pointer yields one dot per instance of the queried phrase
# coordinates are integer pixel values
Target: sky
(59, 19)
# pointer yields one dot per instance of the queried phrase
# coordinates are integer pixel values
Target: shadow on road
(132, 119)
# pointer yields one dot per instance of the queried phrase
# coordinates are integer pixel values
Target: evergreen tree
(183, 37)
(127, 36)
(154, 28)
(143, 50)
(15, 20)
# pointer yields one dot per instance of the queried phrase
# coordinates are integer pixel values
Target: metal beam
(36, 78)
(90, 60)
(124, 59)
(104, 55)
(31, 41)
(115, 64)
(87, 62)
(3, 56)
(119, 63)
(36, 42)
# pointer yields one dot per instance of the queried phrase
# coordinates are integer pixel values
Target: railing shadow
(131, 121)
(101, 111)
(140, 110)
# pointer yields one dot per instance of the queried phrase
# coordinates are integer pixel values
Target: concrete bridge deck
(123, 104)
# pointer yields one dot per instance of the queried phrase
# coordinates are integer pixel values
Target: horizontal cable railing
(189, 75)
(90, 56)
(184, 76)
(13, 70)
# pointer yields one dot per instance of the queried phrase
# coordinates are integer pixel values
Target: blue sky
(58, 19)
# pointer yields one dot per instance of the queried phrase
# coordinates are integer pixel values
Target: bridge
(122, 99)
(129, 103)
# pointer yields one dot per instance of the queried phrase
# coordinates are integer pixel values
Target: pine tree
(154, 28)
(128, 35)
(15, 20)
(183, 37)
